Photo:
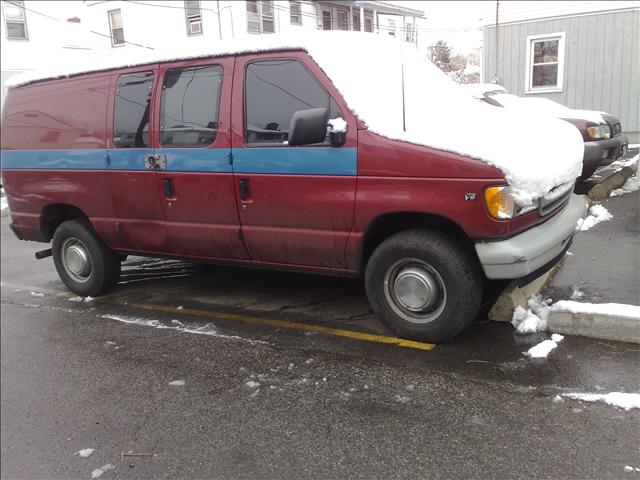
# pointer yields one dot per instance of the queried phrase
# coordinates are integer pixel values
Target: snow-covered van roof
(399, 94)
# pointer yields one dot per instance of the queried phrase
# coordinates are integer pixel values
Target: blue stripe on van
(277, 160)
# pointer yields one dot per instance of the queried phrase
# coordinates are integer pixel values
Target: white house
(38, 33)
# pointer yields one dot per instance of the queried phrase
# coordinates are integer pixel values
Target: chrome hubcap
(415, 290)
(76, 260)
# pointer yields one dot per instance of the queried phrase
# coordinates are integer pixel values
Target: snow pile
(368, 70)
(597, 214)
(533, 319)
(616, 309)
(3, 203)
(177, 383)
(85, 452)
(626, 401)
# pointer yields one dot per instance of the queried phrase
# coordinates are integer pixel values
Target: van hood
(401, 95)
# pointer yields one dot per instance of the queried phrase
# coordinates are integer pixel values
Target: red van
(228, 158)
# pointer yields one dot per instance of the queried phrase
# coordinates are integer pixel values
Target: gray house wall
(601, 67)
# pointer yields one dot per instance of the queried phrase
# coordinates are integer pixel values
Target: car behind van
(601, 132)
(327, 156)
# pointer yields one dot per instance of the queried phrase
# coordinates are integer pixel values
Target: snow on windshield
(534, 155)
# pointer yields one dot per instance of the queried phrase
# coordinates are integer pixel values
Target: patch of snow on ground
(177, 383)
(557, 399)
(75, 299)
(84, 453)
(576, 293)
(206, 329)
(542, 349)
(626, 401)
(3, 203)
(252, 384)
(37, 295)
(88, 299)
(99, 471)
(631, 185)
(597, 214)
(617, 309)
(556, 337)
(481, 131)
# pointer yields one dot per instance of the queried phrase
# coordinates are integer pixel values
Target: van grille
(555, 199)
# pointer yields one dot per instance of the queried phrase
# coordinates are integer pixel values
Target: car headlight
(500, 203)
(599, 132)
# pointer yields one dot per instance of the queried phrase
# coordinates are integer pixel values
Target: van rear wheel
(423, 286)
(84, 263)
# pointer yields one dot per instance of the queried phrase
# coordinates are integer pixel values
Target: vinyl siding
(601, 67)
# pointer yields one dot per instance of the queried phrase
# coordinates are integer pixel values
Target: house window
(326, 20)
(545, 63)
(260, 16)
(368, 21)
(15, 20)
(410, 32)
(189, 106)
(392, 26)
(342, 17)
(193, 16)
(355, 18)
(294, 13)
(117, 30)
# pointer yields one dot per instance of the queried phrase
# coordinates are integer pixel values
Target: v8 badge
(470, 196)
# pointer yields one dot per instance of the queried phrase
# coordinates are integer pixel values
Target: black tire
(586, 173)
(450, 268)
(104, 268)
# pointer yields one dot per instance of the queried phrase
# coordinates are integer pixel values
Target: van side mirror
(308, 126)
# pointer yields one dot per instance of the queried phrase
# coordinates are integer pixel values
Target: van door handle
(168, 187)
(244, 188)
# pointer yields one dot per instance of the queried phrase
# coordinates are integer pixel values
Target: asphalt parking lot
(193, 371)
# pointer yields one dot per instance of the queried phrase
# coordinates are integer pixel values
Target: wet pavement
(605, 263)
(267, 393)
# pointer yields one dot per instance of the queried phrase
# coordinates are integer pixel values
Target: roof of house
(517, 11)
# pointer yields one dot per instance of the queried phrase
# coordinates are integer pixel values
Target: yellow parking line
(337, 332)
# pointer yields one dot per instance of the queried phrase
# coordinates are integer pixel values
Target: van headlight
(599, 132)
(500, 202)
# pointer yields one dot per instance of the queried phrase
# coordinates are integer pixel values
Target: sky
(456, 22)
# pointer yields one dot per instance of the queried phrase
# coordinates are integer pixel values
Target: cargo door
(133, 163)
(195, 182)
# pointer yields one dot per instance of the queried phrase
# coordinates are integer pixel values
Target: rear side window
(189, 108)
(131, 115)
(274, 91)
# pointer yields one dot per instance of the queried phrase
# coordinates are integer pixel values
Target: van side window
(274, 91)
(131, 115)
(189, 107)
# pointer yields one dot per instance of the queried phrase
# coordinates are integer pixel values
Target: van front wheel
(423, 286)
(85, 264)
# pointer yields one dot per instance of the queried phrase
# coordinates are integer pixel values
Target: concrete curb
(595, 325)
(613, 181)
(514, 296)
